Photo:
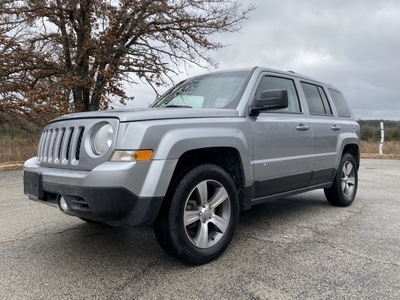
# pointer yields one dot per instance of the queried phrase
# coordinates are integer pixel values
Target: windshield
(215, 90)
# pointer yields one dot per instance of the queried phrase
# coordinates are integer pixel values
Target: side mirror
(270, 99)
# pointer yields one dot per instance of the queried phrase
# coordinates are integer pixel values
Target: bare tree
(66, 55)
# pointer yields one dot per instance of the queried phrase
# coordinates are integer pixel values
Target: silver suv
(211, 146)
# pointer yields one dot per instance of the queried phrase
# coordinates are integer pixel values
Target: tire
(344, 188)
(200, 214)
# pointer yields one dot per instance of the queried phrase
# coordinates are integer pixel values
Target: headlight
(103, 139)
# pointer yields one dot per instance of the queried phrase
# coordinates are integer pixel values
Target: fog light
(62, 204)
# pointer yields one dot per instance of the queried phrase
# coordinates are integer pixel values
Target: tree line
(370, 130)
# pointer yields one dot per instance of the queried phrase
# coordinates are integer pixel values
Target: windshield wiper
(183, 106)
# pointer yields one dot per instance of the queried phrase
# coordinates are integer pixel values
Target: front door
(282, 143)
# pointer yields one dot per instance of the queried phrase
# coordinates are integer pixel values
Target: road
(296, 248)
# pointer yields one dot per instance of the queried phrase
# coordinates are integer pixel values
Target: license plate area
(33, 185)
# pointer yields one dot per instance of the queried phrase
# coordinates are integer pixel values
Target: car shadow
(85, 245)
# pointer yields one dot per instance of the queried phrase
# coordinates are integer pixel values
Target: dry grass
(15, 150)
(373, 148)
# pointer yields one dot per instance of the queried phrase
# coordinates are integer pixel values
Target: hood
(143, 114)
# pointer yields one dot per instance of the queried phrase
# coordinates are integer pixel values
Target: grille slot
(61, 145)
(70, 134)
(78, 146)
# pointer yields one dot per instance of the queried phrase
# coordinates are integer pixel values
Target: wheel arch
(353, 150)
(227, 158)
(348, 143)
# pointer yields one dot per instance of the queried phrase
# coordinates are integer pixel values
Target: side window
(273, 83)
(316, 99)
(340, 103)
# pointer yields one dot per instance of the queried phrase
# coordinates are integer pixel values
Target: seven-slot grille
(61, 146)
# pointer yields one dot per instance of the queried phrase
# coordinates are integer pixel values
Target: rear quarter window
(317, 102)
(340, 103)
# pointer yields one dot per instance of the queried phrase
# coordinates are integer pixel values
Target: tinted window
(340, 103)
(274, 83)
(316, 99)
(328, 109)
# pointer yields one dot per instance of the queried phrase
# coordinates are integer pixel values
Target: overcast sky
(353, 45)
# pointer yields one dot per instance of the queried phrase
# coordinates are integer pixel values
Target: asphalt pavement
(295, 248)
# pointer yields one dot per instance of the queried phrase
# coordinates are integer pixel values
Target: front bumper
(114, 206)
(119, 194)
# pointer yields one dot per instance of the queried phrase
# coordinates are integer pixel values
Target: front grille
(61, 146)
(66, 144)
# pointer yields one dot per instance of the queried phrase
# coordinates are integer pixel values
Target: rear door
(282, 142)
(326, 130)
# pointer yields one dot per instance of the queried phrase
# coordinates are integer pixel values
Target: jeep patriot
(210, 147)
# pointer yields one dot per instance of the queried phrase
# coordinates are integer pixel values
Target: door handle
(335, 128)
(302, 127)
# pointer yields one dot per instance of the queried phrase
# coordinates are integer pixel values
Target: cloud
(353, 45)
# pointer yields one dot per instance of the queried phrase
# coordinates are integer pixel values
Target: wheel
(200, 215)
(344, 188)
